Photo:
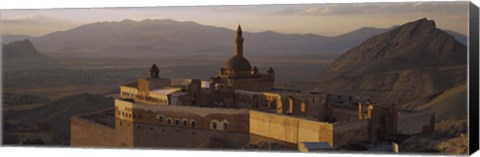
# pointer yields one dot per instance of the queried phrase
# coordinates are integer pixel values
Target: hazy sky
(321, 19)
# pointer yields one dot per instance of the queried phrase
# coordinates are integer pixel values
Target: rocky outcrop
(415, 61)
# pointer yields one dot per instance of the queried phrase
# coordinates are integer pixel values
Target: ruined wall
(414, 123)
(289, 129)
(86, 133)
(350, 132)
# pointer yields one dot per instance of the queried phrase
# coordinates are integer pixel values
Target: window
(177, 122)
(160, 118)
(185, 122)
(120, 123)
(169, 121)
(193, 124)
(225, 126)
(214, 125)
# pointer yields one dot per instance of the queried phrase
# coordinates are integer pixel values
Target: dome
(237, 63)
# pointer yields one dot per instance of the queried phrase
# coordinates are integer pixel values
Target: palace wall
(181, 126)
(289, 129)
(350, 132)
(343, 114)
(262, 83)
(415, 123)
(87, 133)
(146, 135)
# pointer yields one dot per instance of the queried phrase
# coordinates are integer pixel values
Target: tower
(153, 72)
(239, 42)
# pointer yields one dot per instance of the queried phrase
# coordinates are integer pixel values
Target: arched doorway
(382, 125)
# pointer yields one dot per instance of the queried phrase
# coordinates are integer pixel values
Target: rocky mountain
(21, 50)
(6, 38)
(22, 54)
(410, 65)
(129, 37)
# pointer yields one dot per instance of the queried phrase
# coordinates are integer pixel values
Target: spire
(239, 42)
(153, 72)
(239, 31)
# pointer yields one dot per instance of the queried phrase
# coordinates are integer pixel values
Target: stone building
(237, 72)
(238, 107)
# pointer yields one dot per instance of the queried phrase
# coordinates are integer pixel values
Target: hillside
(57, 114)
(410, 64)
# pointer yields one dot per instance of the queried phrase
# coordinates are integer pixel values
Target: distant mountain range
(129, 37)
(416, 65)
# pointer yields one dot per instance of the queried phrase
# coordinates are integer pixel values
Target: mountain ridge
(169, 36)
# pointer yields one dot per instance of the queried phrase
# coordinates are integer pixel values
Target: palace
(239, 107)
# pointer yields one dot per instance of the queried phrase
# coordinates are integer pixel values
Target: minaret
(239, 42)
(153, 72)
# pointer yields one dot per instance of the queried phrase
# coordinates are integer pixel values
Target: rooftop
(166, 90)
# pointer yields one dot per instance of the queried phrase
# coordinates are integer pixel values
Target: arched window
(214, 125)
(169, 121)
(185, 122)
(225, 126)
(177, 122)
(192, 123)
(160, 118)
